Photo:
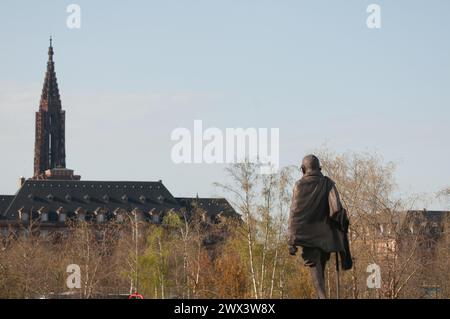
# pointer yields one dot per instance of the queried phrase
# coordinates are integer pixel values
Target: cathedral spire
(50, 124)
(50, 99)
(50, 51)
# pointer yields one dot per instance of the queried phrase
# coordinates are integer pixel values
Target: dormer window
(118, 214)
(100, 218)
(61, 214)
(105, 198)
(124, 198)
(81, 214)
(138, 215)
(155, 217)
(86, 198)
(43, 214)
(50, 197)
(44, 217)
(25, 217)
(68, 198)
(142, 199)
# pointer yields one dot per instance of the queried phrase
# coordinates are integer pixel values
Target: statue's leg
(318, 278)
(316, 262)
(324, 257)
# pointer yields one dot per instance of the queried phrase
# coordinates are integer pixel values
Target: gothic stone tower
(50, 150)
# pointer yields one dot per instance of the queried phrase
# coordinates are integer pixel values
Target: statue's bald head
(310, 163)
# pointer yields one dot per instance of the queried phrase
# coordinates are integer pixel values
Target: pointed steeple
(50, 50)
(50, 99)
(50, 125)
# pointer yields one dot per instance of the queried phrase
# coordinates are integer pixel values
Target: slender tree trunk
(252, 268)
(266, 216)
(197, 274)
(272, 281)
(161, 273)
(250, 246)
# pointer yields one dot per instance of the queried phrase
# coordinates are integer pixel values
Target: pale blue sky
(136, 71)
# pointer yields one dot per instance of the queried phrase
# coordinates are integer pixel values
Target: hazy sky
(136, 71)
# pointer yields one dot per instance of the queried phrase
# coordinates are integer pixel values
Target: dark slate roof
(430, 215)
(100, 195)
(5, 201)
(90, 195)
(212, 206)
(433, 220)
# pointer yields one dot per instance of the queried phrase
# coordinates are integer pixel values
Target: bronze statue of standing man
(318, 223)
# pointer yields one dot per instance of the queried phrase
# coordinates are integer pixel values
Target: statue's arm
(334, 202)
(293, 210)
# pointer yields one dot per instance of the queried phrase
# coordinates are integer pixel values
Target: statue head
(310, 163)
